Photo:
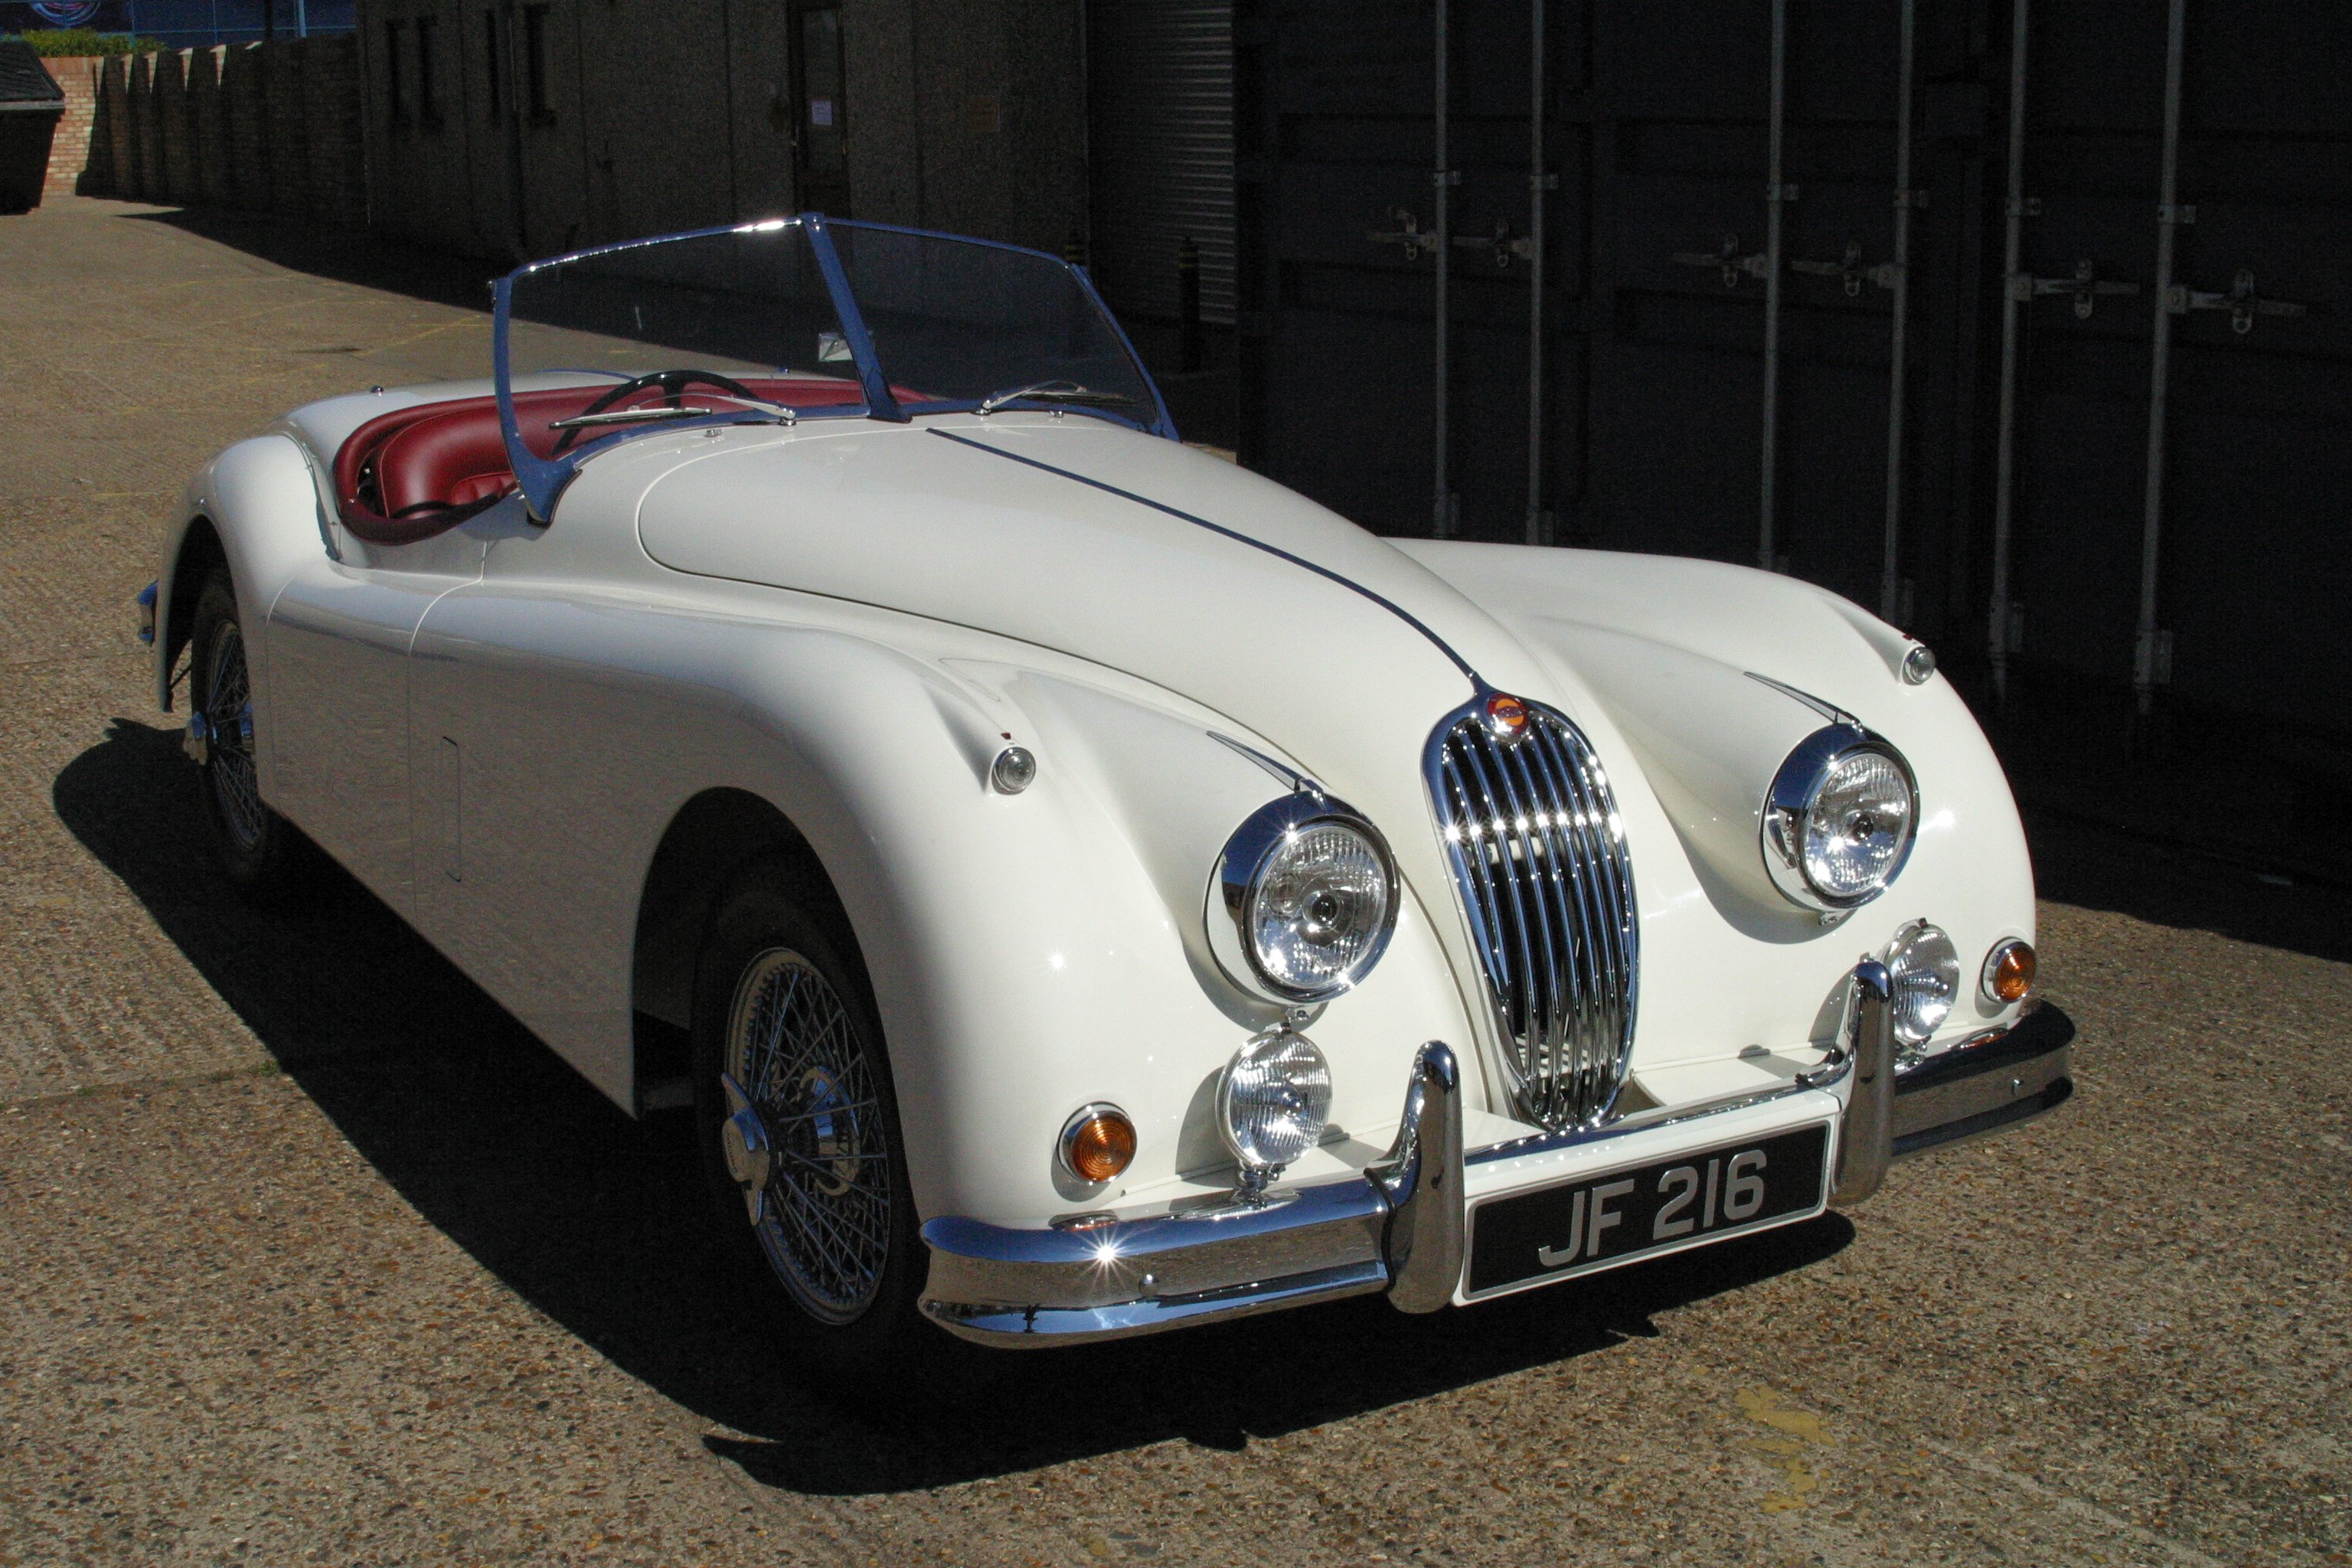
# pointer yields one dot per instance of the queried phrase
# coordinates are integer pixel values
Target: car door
(340, 637)
(546, 761)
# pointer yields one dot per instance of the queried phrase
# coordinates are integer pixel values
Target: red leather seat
(418, 471)
(443, 462)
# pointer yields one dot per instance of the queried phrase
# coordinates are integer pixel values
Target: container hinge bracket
(1502, 241)
(1850, 268)
(2243, 303)
(1726, 256)
(2084, 288)
(1408, 233)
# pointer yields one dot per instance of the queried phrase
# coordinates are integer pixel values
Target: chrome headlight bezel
(1241, 865)
(1789, 803)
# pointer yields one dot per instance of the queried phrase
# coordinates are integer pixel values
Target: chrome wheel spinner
(743, 1138)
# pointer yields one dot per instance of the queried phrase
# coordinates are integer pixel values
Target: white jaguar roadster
(1080, 887)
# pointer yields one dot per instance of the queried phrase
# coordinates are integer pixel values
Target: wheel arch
(711, 839)
(198, 551)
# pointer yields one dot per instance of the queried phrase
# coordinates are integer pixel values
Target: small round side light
(1918, 665)
(1014, 770)
(1098, 1143)
(2008, 971)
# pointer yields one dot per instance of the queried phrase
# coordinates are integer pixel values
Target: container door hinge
(1408, 233)
(2084, 288)
(1850, 268)
(1501, 240)
(2243, 303)
(1726, 256)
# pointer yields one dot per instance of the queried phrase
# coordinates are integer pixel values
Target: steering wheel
(672, 382)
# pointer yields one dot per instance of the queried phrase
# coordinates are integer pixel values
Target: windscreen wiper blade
(625, 416)
(663, 411)
(1055, 391)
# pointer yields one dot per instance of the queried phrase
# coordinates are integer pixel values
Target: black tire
(822, 1089)
(258, 849)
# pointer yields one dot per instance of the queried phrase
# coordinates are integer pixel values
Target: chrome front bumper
(1403, 1227)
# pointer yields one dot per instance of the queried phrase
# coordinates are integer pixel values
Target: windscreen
(748, 302)
(755, 324)
(961, 321)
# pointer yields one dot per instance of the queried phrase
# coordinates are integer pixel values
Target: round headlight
(1839, 819)
(1308, 900)
(1924, 970)
(1274, 1101)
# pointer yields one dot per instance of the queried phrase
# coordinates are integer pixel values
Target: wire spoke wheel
(229, 721)
(823, 1218)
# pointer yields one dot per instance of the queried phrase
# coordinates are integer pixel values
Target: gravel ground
(310, 1254)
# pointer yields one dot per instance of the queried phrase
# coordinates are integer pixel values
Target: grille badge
(1506, 718)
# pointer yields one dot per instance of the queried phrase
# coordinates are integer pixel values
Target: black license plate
(1601, 1221)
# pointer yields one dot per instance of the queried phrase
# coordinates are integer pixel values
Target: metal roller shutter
(1160, 129)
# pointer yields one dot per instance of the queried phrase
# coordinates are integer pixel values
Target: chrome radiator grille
(1531, 830)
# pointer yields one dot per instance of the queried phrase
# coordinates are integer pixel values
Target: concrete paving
(307, 1253)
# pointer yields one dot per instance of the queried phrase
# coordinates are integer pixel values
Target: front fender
(1029, 953)
(1035, 952)
(261, 501)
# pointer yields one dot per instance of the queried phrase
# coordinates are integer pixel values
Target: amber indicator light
(1101, 1146)
(2010, 975)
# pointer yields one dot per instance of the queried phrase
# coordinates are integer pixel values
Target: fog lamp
(1925, 968)
(1273, 1104)
(1098, 1142)
(2008, 971)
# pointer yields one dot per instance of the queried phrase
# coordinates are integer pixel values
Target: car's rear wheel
(799, 1133)
(258, 848)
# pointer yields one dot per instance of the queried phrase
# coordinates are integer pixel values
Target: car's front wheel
(799, 1131)
(257, 848)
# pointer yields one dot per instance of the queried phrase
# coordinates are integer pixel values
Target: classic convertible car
(1080, 887)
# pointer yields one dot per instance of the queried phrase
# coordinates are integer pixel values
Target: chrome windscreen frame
(542, 479)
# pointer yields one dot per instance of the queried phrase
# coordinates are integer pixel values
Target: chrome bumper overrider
(1402, 1227)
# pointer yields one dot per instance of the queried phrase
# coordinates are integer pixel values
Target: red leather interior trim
(408, 474)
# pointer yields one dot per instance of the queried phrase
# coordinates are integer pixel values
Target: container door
(820, 140)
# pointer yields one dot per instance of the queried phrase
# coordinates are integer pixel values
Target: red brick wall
(71, 153)
(266, 127)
